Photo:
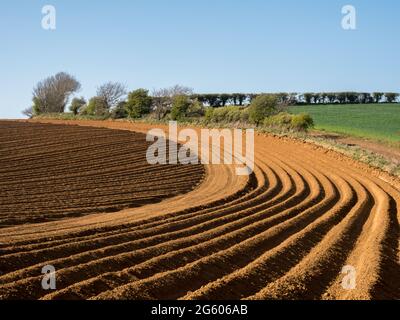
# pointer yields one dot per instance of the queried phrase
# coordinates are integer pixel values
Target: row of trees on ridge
(53, 94)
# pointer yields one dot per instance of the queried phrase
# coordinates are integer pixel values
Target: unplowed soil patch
(285, 232)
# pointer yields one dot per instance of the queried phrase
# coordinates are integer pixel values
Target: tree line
(52, 95)
(240, 99)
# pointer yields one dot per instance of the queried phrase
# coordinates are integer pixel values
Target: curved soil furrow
(225, 228)
(92, 234)
(242, 253)
(276, 262)
(284, 232)
(72, 194)
(214, 191)
(208, 222)
(374, 256)
(310, 278)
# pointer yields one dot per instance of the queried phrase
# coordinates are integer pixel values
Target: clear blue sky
(209, 45)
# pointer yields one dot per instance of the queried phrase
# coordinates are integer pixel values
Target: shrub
(302, 122)
(220, 114)
(234, 114)
(281, 120)
(138, 104)
(286, 121)
(226, 114)
(245, 115)
(196, 109)
(261, 107)
(209, 114)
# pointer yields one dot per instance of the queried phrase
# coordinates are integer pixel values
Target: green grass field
(373, 121)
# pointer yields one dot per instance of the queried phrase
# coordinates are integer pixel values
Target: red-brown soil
(49, 172)
(284, 232)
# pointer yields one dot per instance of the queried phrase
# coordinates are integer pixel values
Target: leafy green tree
(163, 98)
(224, 98)
(324, 97)
(139, 103)
(365, 97)
(180, 107)
(378, 96)
(96, 107)
(316, 98)
(36, 107)
(234, 99)
(241, 97)
(77, 105)
(341, 97)
(119, 112)
(308, 97)
(261, 107)
(293, 98)
(200, 98)
(391, 97)
(331, 97)
(283, 97)
(212, 99)
(351, 97)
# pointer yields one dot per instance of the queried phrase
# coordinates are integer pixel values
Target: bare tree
(162, 103)
(52, 94)
(178, 90)
(163, 98)
(28, 112)
(112, 93)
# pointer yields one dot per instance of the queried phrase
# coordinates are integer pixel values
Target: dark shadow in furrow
(239, 260)
(82, 276)
(316, 285)
(304, 245)
(16, 155)
(16, 261)
(388, 284)
(251, 185)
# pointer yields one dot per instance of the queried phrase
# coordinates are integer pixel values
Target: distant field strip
(284, 232)
(375, 121)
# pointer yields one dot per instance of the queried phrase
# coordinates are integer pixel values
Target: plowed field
(284, 232)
